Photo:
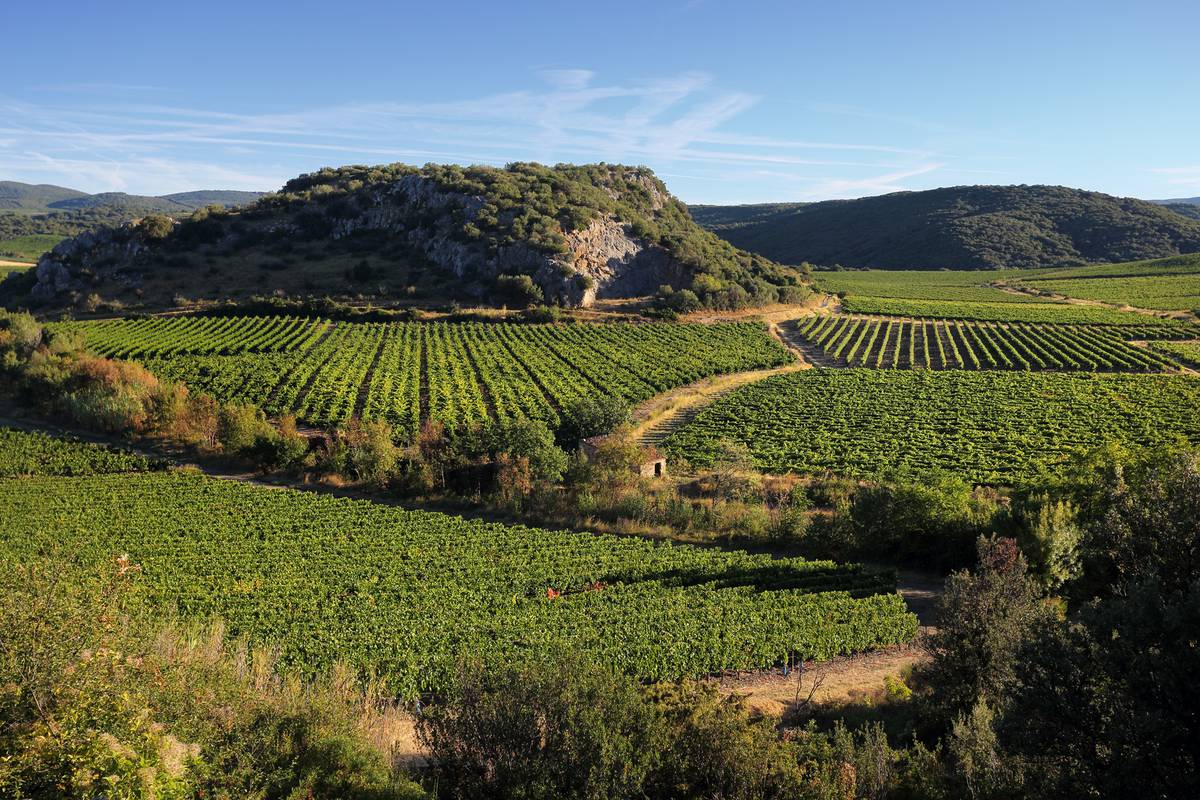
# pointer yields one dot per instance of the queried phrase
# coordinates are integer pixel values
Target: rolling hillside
(971, 227)
(516, 236)
(34, 218)
(46, 198)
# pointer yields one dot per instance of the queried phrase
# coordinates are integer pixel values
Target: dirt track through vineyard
(661, 415)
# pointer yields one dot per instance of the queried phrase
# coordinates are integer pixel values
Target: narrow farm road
(661, 415)
(1079, 301)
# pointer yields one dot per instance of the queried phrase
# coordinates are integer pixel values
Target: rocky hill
(964, 227)
(523, 234)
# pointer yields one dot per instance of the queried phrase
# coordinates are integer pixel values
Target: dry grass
(840, 680)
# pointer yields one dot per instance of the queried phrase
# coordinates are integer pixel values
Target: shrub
(116, 396)
(518, 290)
(118, 703)
(371, 454)
(571, 730)
(589, 416)
(239, 426)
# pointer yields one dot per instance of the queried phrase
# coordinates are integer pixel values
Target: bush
(371, 452)
(519, 290)
(544, 315)
(568, 728)
(114, 396)
(240, 426)
(589, 416)
(155, 226)
(572, 730)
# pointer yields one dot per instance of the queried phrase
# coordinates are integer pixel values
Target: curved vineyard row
(988, 427)
(170, 336)
(1187, 352)
(406, 594)
(895, 344)
(332, 371)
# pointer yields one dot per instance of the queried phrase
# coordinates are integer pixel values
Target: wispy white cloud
(876, 184)
(683, 124)
(1180, 176)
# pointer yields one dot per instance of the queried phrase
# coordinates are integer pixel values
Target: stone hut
(652, 465)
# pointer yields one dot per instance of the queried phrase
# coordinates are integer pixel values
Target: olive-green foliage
(1097, 702)
(936, 521)
(565, 727)
(1105, 706)
(983, 618)
(238, 426)
(155, 226)
(569, 730)
(537, 205)
(1049, 536)
(591, 415)
(519, 290)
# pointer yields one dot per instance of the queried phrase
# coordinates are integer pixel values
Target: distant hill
(28, 197)
(131, 203)
(46, 198)
(965, 227)
(1190, 210)
(1184, 201)
(34, 214)
(209, 197)
(523, 234)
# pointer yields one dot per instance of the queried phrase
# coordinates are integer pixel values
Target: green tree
(984, 617)
(591, 415)
(570, 730)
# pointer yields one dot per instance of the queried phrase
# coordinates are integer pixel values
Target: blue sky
(728, 102)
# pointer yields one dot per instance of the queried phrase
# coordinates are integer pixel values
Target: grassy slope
(27, 248)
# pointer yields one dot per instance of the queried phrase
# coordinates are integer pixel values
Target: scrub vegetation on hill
(517, 236)
(960, 227)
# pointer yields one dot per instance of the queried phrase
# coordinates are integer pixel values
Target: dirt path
(663, 414)
(841, 679)
(1079, 301)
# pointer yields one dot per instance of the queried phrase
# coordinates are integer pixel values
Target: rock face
(603, 259)
(90, 259)
(617, 263)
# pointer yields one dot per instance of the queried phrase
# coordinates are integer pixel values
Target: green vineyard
(899, 344)
(458, 373)
(988, 427)
(25, 453)
(992, 311)
(406, 594)
(1186, 352)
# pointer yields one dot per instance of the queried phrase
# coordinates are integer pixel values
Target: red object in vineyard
(553, 595)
